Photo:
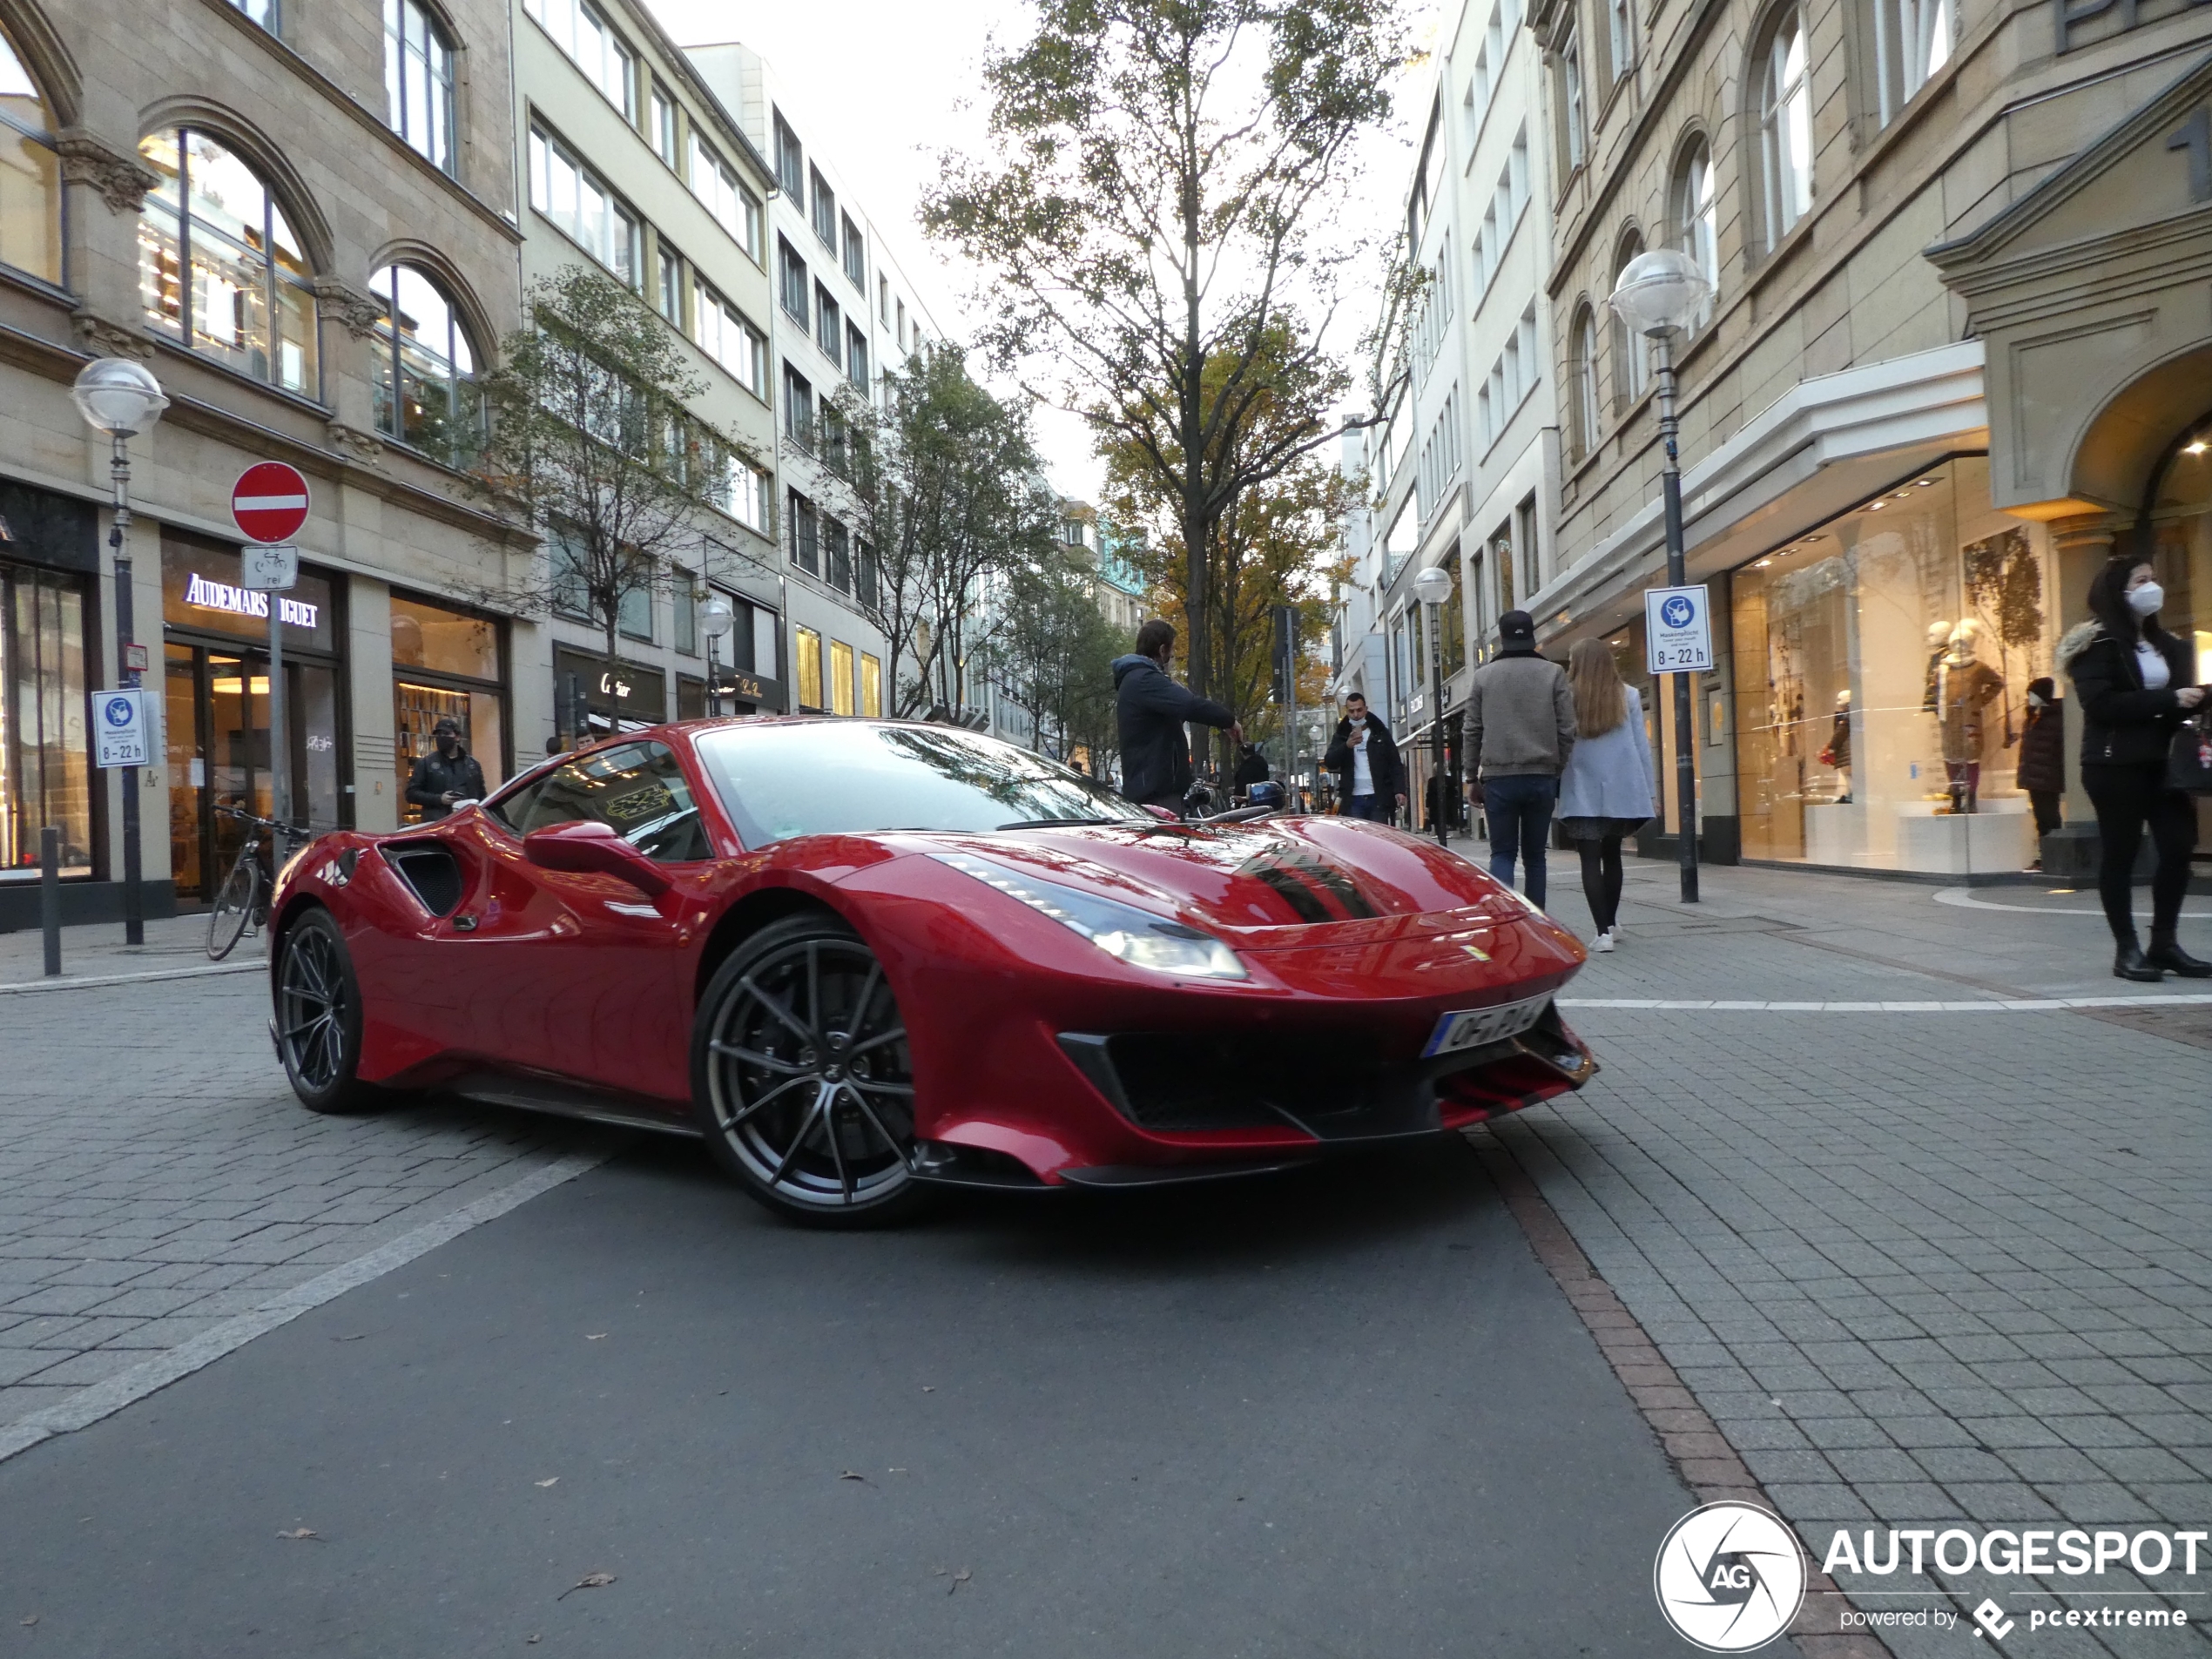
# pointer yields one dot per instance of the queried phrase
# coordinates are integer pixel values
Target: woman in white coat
(1605, 794)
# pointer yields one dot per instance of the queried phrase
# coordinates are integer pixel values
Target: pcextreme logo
(1729, 1577)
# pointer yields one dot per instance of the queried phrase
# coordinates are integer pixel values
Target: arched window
(1631, 352)
(425, 369)
(1912, 41)
(1785, 127)
(1697, 215)
(219, 265)
(1583, 365)
(418, 81)
(30, 183)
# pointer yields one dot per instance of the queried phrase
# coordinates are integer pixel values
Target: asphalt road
(1345, 1414)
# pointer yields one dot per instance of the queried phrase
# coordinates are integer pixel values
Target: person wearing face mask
(1370, 780)
(2043, 758)
(447, 775)
(2136, 685)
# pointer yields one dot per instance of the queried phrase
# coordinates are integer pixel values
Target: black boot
(2167, 953)
(2131, 963)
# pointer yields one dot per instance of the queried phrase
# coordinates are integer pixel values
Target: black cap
(1517, 628)
(446, 723)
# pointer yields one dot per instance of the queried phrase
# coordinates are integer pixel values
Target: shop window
(30, 182)
(871, 686)
(1785, 125)
(1881, 668)
(446, 663)
(45, 767)
(809, 664)
(840, 675)
(426, 370)
(220, 267)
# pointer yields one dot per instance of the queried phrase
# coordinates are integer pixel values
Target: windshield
(845, 777)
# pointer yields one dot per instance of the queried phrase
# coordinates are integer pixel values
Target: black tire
(318, 1022)
(801, 1079)
(234, 909)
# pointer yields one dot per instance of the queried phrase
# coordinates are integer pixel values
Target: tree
(592, 448)
(1156, 206)
(1273, 544)
(1053, 656)
(942, 484)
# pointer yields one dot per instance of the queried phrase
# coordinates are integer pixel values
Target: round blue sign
(1678, 611)
(119, 711)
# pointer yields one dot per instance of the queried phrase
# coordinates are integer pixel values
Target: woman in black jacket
(2136, 686)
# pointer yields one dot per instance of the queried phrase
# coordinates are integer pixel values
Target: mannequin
(1939, 642)
(1837, 754)
(1964, 686)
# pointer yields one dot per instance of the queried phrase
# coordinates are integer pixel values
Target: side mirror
(587, 848)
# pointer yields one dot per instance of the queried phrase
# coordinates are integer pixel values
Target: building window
(825, 210)
(791, 281)
(1585, 375)
(1570, 102)
(809, 667)
(837, 546)
(572, 199)
(829, 325)
(30, 183)
(1620, 39)
(805, 547)
(426, 370)
(1785, 127)
(418, 82)
(715, 183)
(668, 288)
(883, 301)
(594, 46)
(660, 118)
(633, 612)
(799, 410)
(840, 675)
(1911, 42)
(863, 573)
(744, 492)
(721, 331)
(684, 600)
(791, 168)
(1697, 216)
(856, 356)
(219, 268)
(262, 11)
(871, 687)
(856, 259)
(1631, 352)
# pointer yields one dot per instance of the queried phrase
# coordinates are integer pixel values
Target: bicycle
(242, 902)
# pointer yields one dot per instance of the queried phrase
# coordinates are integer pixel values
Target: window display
(1882, 663)
(45, 770)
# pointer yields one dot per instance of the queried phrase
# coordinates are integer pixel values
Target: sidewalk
(175, 947)
(1941, 1266)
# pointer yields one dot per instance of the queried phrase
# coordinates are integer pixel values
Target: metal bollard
(50, 896)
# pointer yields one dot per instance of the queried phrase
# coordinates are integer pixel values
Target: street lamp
(1433, 587)
(717, 618)
(1659, 292)
(120, 396)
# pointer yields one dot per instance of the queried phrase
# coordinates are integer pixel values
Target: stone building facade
(1958, 321)
(308, 231)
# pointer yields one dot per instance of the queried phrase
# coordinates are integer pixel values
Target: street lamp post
(1660, 293)
(1433, 587)
(120, 396)
(717, 618)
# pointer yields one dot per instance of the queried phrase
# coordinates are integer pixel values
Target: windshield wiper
(1059, 823)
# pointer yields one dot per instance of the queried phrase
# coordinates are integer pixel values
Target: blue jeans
(1376, 809)
(1519, 810)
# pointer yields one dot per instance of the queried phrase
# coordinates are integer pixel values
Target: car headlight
(1122, 931)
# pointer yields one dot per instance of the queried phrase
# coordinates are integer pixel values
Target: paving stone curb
(1694, 1444)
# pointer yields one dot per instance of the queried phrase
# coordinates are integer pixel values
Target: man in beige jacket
(1519, 730)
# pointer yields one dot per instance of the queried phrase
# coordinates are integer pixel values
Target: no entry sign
(269, 501)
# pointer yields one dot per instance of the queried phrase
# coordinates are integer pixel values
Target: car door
(583, 974)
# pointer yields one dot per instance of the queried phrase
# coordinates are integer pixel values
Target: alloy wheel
(311, 1008)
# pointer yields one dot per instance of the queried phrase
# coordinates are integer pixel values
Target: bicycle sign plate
(119, 728)
(1472, 1028)
(1677, 630)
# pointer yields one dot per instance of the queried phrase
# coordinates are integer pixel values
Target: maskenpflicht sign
(119, 728)
(1677, 630)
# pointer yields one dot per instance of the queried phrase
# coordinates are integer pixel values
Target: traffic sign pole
(118, 540)
(279, 803)
(269, 503)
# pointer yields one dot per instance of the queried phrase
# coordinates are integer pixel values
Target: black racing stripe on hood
(1300, 898)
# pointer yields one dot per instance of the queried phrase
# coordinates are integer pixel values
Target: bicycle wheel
(234, 909)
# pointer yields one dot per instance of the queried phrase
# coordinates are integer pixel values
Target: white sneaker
(1603, 942)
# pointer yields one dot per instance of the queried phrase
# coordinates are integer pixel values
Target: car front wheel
(319, 1018)
(801, 1079)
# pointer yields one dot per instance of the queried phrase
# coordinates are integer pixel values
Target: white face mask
(1358, 720)
(2146, 600)
(2034, 700)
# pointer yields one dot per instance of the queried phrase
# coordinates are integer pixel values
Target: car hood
(1279, 884)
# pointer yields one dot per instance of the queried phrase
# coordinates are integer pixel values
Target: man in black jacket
(1150, 710)
(451, 774)
(1370, 781)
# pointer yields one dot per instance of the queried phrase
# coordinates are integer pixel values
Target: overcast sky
(882, 87)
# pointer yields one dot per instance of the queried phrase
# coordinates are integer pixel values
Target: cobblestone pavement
(157, 1175)
(1922, 1269)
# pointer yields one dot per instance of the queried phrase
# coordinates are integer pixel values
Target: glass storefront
(45, 769)
(216, 692)
(2181, 552)
(1881, 668)
(446, 663)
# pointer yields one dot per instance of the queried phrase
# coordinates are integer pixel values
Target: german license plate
(1472, 1028)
